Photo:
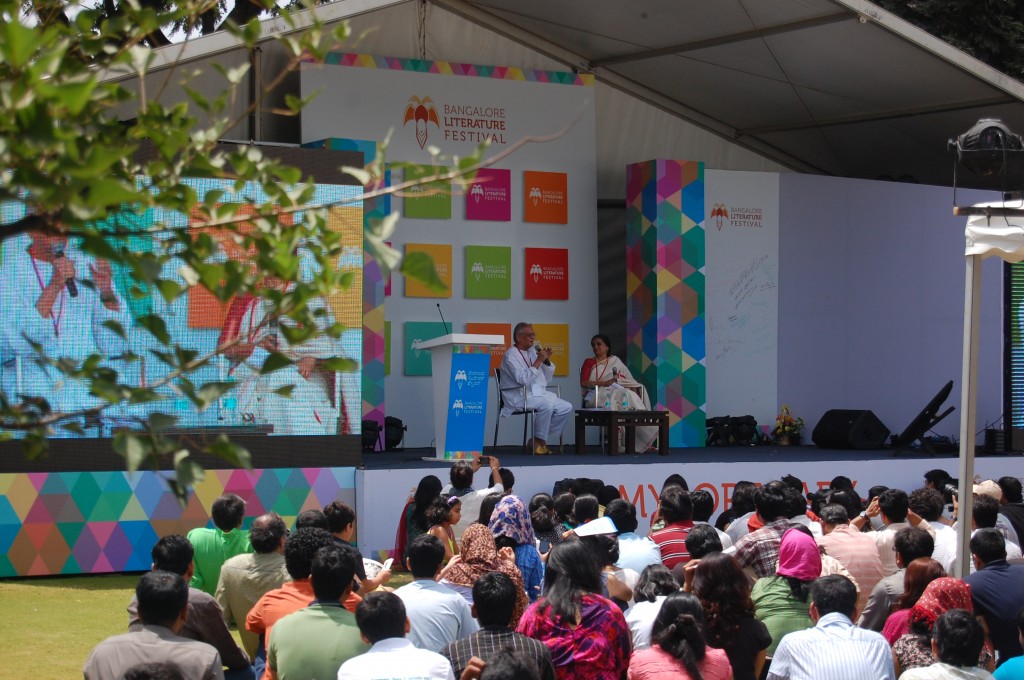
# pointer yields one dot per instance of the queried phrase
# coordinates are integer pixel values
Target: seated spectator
(414, 515)
(914, 649)
(311, 519)
(957, 640)
(702, 540)
(834, 649)
(585, 632)
(205, 620)
(215, 545)
(442, 515)
(162, 599)
(909, 544)
(313, 642)
(586, 508)
(544, 520)
(781, 601)
(383, 624)
(496, 598)
(928, 504)
(893, 507)
(742, 504)
(511, 526)
(676, 510)
(760, 549)
(985, 516)
(679, 649)
(655, 584)
(1013, 668)
(341, 522)
(564, 503)
(509, 665)
(487, 506)
(479, 557)
(854, 550)
(618, 583)
(703, 507)
(635, 552)
(729, 622)
(461, 477)
(245, 578)
(606, 495)
(918, 575)
(438, 615)
(676, 480)
(160, 670)
(299, 550)
(997, 590)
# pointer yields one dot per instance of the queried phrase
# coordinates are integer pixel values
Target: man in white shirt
(461, 476)
(382, 622)
(635, 552)
(834, 649)
(438, 615)
(524, 365)
(928, 504)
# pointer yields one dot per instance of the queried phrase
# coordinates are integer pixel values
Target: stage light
(394, 432)
(988, 148)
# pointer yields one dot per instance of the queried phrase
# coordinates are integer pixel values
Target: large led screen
(39, 307)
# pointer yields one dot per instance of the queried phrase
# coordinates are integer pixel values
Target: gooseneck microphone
(447, 328)
(58, 253)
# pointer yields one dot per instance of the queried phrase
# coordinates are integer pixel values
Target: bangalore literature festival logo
(421, 112)
(536, 271)
(460, 378)
(719, 213)
(457, 407)
(478, 270)
(477, 192)
(535, 195)
(416, 347)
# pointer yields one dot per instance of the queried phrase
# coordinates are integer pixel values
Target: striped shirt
(489, 641)
(834, 649)
(671, 541)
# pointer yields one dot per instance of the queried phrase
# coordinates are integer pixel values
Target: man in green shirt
(214, 546)
(313, 642)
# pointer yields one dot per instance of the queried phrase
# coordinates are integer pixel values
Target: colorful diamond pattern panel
(101, 522)
(665, 333)
(449, 68)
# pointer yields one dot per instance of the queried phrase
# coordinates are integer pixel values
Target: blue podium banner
(467, 401)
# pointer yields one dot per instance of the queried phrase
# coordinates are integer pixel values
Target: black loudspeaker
(850, 429)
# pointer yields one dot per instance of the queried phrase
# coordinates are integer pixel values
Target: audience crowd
(786, 585)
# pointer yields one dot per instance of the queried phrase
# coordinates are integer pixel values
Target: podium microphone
(58, 252)
(448, 329)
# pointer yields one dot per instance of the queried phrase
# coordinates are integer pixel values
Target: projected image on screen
(60, 298)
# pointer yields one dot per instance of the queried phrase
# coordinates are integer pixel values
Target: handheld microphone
(447, 328)
(58, 253)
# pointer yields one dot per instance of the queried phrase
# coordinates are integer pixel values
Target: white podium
(461, 365)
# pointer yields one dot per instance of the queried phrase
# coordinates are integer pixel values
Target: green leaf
(275, 361)
(161, 421)
(230, 452)
(285, 391)
(19, 43)
(156, 327)
(115, 327)
(133, 448)
(211, 392)
(420, 266)
(343, 364)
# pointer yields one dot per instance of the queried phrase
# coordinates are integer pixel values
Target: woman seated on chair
(605, 382)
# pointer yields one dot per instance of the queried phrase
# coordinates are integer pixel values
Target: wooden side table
(613, 420)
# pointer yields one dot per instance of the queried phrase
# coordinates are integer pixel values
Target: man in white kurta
(57, 297)
(524, 365)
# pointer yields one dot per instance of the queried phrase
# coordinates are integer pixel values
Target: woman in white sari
(606, 383)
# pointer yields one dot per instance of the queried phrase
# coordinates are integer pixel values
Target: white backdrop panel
(366, 103)
(742, 303)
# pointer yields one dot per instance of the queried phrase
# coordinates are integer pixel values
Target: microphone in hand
(58, 253)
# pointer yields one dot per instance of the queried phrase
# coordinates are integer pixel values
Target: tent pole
(968, 402)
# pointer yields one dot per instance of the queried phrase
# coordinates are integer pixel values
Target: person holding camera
(461, 476)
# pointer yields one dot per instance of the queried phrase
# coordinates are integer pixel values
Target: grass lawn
(49, 625)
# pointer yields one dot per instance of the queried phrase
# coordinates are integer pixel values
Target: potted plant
(787, 428)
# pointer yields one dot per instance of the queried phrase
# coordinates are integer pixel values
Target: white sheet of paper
(601, 525)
